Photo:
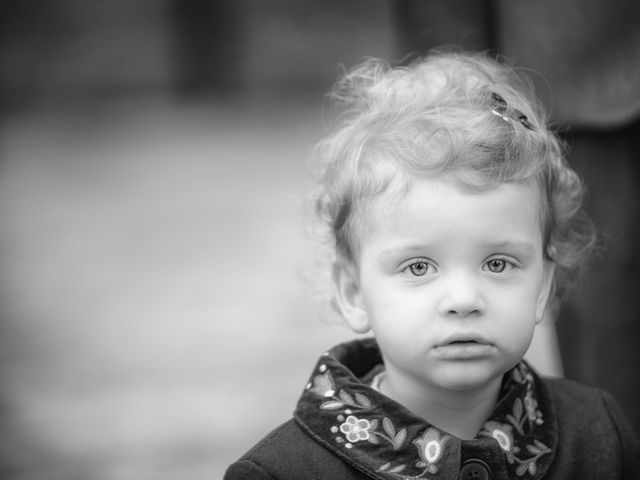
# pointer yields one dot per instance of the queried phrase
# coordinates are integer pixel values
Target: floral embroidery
(502, 434)
(430, 444)
(430, 447)
(355, 429)
(524, 410)
(531, 405)
(353, 418)
(390, 435)
(524, 416)
(396, 439)
(323, 385)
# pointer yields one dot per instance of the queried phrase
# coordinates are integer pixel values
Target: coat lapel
(380, 437)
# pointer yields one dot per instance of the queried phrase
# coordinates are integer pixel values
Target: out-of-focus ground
(154, 322)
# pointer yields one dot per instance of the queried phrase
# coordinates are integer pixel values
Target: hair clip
(507, 114)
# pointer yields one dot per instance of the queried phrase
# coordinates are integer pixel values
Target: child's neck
(460, 413)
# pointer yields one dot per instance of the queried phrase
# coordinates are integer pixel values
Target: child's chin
(464, 378)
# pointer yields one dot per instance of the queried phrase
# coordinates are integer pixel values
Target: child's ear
(549, 267)
(348, 297)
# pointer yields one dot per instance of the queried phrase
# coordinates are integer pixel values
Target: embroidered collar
(385, 440)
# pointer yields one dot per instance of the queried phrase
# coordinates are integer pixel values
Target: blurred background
(153, 324)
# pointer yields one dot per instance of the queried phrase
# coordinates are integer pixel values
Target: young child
(455, 223)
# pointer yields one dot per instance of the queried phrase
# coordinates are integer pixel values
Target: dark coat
(540, 429)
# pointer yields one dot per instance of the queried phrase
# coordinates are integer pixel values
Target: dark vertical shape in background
(598, 330)
(24, 30)
(208, 45)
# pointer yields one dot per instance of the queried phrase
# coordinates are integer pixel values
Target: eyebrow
(402, 250)
(523, 246)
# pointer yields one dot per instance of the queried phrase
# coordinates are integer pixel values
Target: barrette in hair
(501, 109)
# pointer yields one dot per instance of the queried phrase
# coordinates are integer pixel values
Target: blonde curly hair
(438, 116)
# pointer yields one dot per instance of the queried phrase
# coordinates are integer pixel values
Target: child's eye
(419, 268)
(499, 265)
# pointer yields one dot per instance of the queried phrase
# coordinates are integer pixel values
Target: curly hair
(437, 116)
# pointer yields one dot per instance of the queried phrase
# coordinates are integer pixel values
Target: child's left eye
(499, 265)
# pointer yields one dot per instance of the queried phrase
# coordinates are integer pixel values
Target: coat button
(475, 470)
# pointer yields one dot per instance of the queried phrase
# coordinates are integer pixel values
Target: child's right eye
(419, 268)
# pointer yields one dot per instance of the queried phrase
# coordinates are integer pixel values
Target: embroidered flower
(531, 406)
(503, 434)
(323, 385)
(355, 429)
(430, 448)
(503, 438)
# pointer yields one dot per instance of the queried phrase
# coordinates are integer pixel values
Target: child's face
(451, 283)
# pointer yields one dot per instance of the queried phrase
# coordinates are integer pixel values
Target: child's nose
(462, 295)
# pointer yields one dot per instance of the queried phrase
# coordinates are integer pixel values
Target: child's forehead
(443, 185)
(438, 195)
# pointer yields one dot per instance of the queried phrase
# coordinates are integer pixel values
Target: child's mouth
(464, 349)
(457, 340)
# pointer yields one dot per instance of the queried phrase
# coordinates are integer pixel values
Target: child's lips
(464, 348)
(465, 338)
